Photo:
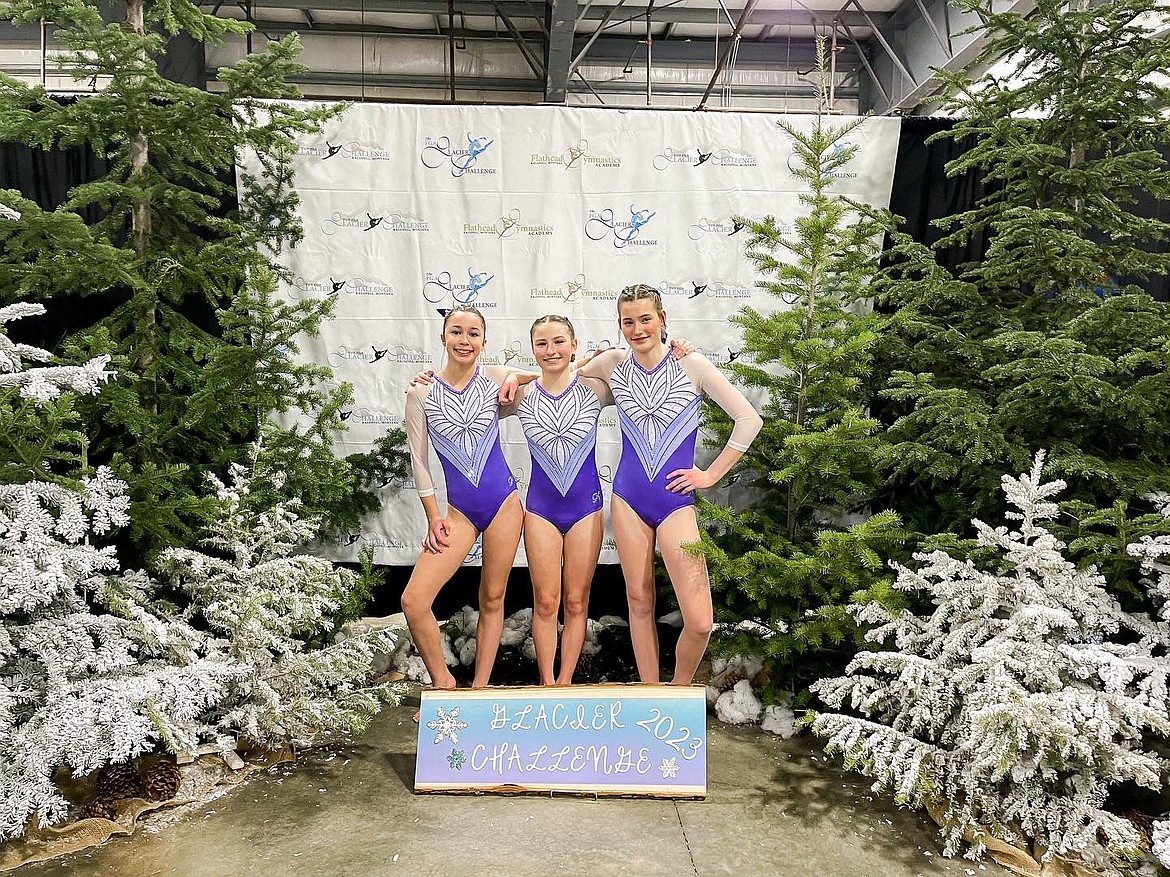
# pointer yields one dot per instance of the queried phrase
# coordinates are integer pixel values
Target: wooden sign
(587, 739)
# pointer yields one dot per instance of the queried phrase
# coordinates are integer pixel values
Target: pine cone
(99, 809)
(728, 681)
(117, 781)
(162, 781)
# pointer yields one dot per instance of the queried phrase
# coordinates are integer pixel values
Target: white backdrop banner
(524, 211)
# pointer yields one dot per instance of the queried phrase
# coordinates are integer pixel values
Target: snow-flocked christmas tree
(88, 674)
(1154, 554)
(1014, 707)
(270, 605)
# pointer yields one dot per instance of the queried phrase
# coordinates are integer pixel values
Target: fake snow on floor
(730, 692)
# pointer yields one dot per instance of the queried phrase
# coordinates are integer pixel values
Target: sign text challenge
(604, 739)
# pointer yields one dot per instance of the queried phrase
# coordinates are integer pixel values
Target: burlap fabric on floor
(201, 779)
(1029, 863)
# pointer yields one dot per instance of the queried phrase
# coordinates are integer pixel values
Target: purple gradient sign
(604, 739)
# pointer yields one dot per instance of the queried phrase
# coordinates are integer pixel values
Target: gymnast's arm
(602, 364)
(416, 435)
(710, 381)
(512, 383)
(600, 389)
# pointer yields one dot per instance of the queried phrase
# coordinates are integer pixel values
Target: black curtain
(922, 192)
(47, 177)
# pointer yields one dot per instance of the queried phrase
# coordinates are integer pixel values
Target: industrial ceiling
(708, 54)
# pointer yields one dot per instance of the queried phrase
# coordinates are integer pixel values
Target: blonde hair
(637, 292)
(552, 318)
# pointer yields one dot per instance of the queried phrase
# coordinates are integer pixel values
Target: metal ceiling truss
(662, 13)
(919, 39)
(562, 41)
(550, 38)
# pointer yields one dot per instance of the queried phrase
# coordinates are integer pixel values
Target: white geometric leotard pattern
(464, 425)
(561, 430)
(658, 410)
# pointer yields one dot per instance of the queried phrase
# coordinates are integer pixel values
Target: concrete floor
(774, 807)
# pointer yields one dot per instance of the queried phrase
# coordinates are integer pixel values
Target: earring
(662, 335)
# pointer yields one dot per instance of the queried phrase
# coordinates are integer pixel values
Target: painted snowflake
(456, 759)
(447, 726)
(669, 768)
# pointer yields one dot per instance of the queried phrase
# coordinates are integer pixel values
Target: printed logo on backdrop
(513, 354)
(600, 347)
(441, 286)
(718, 355)
(353, 150)
(371, 354)
(368, 416)
(604, 224)
(575, 156)
(518, 478)
(714, 289)
(380, 542)
(727, 226)
(696, 156)
(685, 289)
(397, 483)
(576, 288)
(400, 482)
(511, 225)
(364, 223)
(844, 172)
(460, 156)
(305, 287)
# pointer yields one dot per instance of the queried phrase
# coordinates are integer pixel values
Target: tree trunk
(139, 145)
(139, 160)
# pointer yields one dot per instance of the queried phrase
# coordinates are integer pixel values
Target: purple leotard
(562, 438)
(658, 411)
(464, 427)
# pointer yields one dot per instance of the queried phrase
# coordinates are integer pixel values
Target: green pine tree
(188, 311)
(1048, 341)
(807, 547)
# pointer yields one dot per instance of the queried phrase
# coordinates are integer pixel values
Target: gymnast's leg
(499, 553)
(635, 546)
(431, 572)
(692, 587)
(544, 546)
(582, 547)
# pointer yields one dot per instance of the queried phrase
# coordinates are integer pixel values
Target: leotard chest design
(658, 411)
(464, 427)
(561, 431)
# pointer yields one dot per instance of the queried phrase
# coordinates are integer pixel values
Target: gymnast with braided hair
(658, 398)
(558, 411)
(563, 525)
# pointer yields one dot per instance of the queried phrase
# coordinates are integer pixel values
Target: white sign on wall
(524, 211)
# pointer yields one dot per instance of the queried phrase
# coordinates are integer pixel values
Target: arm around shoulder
(601, 365)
